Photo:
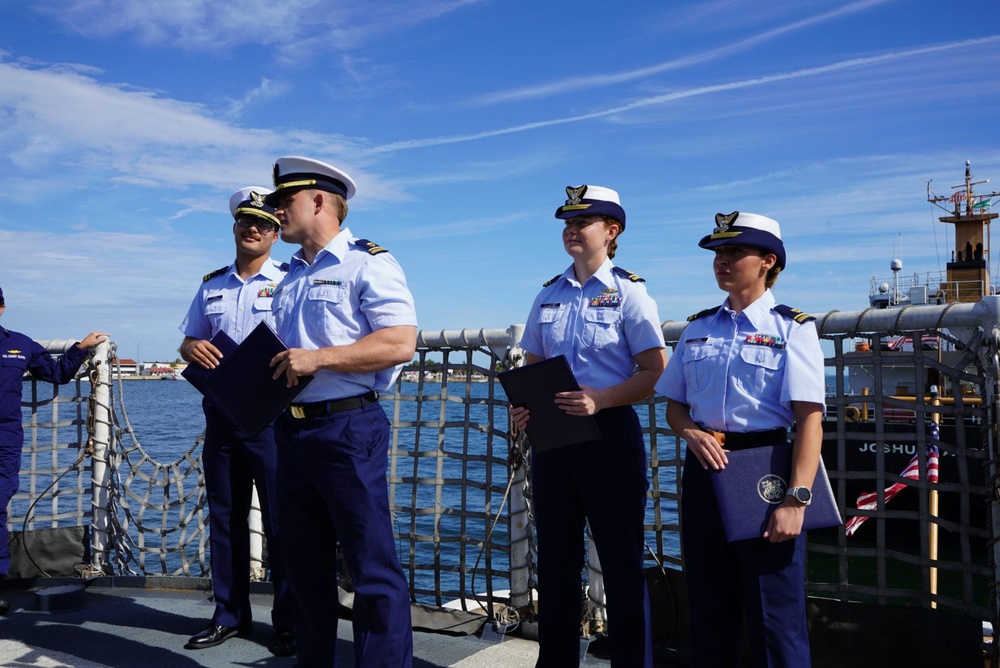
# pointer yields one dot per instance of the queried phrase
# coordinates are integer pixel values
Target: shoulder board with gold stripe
(217, 272)
(793, 313)
(370, 246)
(625, 273)
(706, 312)
(551, 281)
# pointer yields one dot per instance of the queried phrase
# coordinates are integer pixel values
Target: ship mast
(968, 272)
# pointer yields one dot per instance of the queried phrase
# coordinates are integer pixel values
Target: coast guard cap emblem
(723, 221)
(575, 194)
(771, 488)
(256, 199)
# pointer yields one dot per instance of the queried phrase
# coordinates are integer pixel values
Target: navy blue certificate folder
(196, 374)
(754, 483)
(242, 387)
(534, 386)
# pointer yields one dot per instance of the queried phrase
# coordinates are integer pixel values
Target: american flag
(869, 500)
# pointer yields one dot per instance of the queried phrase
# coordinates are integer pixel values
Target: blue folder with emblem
(754, 483)
(534, 386)
(242, 387)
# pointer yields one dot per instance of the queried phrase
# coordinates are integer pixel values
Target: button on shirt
(599, 326)
(740, 371)
(344, 295)
(229, 304)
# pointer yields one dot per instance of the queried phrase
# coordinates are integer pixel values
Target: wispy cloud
(266, 90)
(602, 80)
(688, 93)
(291, 26)
(113, 133)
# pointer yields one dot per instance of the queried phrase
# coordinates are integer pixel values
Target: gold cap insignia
(575, 194)
(724, 220)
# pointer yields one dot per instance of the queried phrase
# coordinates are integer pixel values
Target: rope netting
(459, 477)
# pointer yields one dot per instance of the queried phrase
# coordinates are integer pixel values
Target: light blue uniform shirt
(599, 326)
(227, 303)
(347, 293)
(740, 371)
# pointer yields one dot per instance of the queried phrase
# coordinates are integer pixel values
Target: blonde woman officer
(601, 318)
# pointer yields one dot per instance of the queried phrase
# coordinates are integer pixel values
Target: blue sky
(126, 124)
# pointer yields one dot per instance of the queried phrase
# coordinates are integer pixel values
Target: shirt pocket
(215, 308)
(16, 362)
(549, 318)
(322, 301)
(759, 370)
(600, 327)
(262, 304)
(698, 360)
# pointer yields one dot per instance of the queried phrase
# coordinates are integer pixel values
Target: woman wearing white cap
(601, 318)
(741, 375)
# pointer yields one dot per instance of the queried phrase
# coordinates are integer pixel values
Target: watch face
(803, 494)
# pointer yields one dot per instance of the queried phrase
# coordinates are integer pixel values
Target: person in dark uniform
(347, 316)
(741, 375)
(601, 318)
(19, 354)
(234, 300)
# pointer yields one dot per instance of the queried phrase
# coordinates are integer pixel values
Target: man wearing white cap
(348, 319)
(741, 375)
(234, 300)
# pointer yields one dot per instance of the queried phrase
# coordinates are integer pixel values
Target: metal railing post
(100, 435)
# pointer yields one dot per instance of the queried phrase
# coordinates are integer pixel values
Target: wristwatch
(800, 494)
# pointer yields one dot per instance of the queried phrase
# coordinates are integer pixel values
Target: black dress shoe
(216, 634)
(283, 643)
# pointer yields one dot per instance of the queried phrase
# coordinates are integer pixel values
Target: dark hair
(772, 274)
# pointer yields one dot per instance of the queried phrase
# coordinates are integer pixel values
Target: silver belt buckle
(298, 412)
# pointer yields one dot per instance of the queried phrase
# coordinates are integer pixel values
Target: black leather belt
(753, 439)
(327, 408)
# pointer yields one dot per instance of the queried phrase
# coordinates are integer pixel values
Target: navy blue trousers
(604, 483)
(10, 481)
(333, 488)
(763, 581)
(232, 464)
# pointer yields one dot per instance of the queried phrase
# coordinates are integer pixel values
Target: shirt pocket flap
(763, 356)
(326, 293)
(548, 314)
(604, 316)
(262, 303)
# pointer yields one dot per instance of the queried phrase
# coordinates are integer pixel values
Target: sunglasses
(261, 225)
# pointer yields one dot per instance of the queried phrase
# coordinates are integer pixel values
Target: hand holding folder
(242, 387)
(754, 483)
(534, 386)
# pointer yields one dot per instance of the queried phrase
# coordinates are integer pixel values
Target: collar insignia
(724, 220)
(575, 194)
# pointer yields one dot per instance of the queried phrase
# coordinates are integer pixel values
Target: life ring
(852, 413)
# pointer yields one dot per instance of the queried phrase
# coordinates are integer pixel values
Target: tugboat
(914, 368)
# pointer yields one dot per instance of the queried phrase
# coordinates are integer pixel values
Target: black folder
(754, 483)
(196, 374)
(534, 386)
(242, 387)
